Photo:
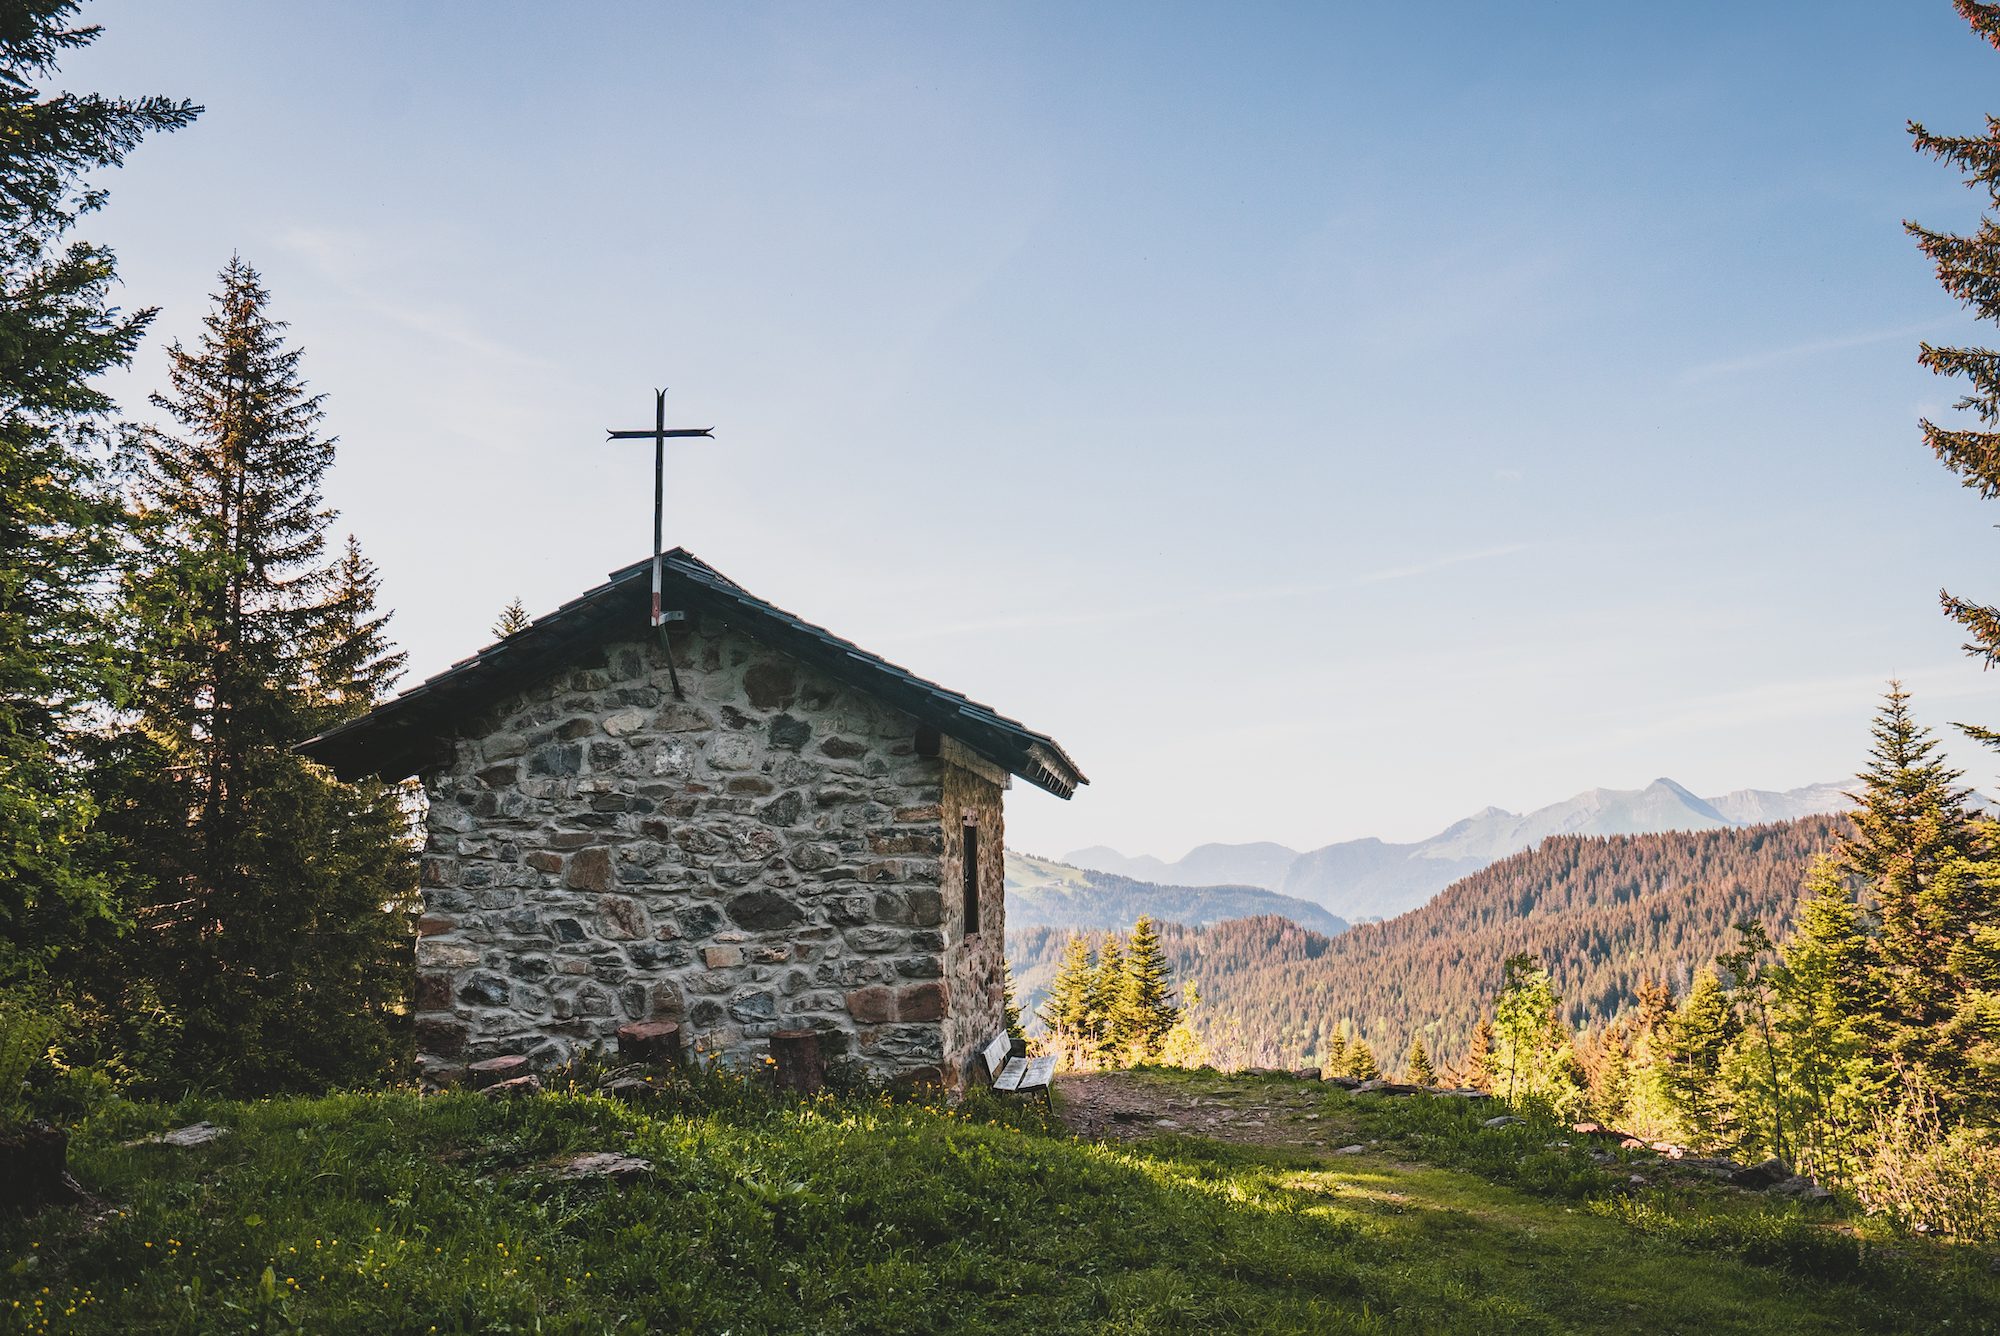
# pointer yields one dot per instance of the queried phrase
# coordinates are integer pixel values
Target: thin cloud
(1441, 563)
(1264, 594)
(1799, 352)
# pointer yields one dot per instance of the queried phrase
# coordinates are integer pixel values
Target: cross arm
(652, 435)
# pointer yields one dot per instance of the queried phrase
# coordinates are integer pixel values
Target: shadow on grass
(389, 1213)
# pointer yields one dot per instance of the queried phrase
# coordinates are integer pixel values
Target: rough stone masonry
(774, 852)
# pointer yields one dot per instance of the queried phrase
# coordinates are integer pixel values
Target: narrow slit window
(971, 878)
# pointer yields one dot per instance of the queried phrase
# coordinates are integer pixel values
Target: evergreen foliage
(1689, 1054)
(274, 902)
(59, 521)
(1115, 1005)
(1145, 1010)
(1603, 913)
(1477, 1070)
(1419, 1063)
(1967, 265)
(514, 617)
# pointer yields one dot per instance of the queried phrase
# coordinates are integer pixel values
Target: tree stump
(800, 1064)
(34, 1166)
(495, 1070)
(657, 1043)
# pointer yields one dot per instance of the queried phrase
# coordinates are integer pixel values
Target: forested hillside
(1042, 892)
(1603, 912)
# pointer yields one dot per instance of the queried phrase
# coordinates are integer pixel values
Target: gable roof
(406, 734)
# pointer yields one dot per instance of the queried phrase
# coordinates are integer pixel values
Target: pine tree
(514, 617)
(1965, 267)
(1112, 1041)
(1361, 1064)
(277, 920)
(1915, 852)
(1611, 1094)
(1010, 1006)
(1145, 1005)
(1421, 1071)
(59, 521)
(1335, 1063)
(1690, 1051)
(1066, 1012)
(1762, 1079)
(351, 666)
(1823, 1014)
(1476, 1073)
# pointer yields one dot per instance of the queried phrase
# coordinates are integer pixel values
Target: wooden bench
(1016, 1075)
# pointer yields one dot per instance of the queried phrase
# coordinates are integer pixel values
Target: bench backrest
(997, 1054)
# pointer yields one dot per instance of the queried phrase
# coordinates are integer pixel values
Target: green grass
(390, 1213)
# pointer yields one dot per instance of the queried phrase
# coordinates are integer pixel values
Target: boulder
(1504, 1120)
(1800, 1188)
(1344, 1082)
(193, 1135)
(494, 1071)
(604, 1164)
(1380, 1086)
(1764, 1174)
(519, 1085)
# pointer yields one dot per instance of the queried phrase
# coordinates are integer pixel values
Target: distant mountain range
(1370, 878)
(1046, 894)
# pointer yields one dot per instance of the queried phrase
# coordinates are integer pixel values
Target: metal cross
(658, 436)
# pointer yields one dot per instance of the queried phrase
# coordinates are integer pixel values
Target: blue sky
(1326, 419)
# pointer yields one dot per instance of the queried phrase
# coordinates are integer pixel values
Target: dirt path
(1125, 1105)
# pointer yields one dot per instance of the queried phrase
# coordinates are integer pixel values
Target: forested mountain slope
(1041, 892)
(1601, 911)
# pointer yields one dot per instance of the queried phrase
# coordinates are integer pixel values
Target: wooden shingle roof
(404, 735)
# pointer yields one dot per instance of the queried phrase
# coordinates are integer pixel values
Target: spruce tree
(1611, 1094)
(1066, 1011)
(1110, 1033)
(514, 617)
(277, 920)
(1763, 1078)
(1915, 852)
(1010, 1006)
(1361, 1064)
(1690, 1051)
(59, 521)
(1421, 1071)
(1477, 1070)
(1966, 265)
(1335, 1063)
(1824, 1014)
(1146, 1001)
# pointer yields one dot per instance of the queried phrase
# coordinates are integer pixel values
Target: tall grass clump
(1930, 1177)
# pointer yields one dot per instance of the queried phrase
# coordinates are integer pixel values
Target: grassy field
(391, 1213)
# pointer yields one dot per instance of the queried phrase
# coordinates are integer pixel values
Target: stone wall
(974, 965)
(770, 853)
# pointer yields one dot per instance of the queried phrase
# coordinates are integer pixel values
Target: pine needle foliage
(514, 617)
(1968, 268)
(273, 902)
(59, 519)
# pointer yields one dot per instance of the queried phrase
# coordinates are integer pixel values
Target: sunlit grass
(390, 1213)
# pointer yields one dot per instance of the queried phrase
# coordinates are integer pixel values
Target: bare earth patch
(1122, 1106)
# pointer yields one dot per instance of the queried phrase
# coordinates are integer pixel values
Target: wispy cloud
(1799, 352)
(1039, 621)
(1441, 563)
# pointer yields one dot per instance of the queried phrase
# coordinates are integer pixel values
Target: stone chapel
(775, 829)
